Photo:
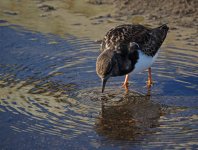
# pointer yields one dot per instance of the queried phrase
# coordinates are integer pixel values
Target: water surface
(50, 97)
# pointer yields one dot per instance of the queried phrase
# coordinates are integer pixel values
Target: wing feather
(123, 35)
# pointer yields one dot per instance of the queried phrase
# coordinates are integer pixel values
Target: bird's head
(111, 62)
(105, 65)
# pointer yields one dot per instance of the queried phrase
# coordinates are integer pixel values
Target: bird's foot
(126, 86)
(149, 83)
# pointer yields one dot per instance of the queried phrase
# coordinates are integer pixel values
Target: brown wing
(149, 40)
(123, 35)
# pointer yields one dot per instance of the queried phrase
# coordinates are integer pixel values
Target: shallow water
(50, 97)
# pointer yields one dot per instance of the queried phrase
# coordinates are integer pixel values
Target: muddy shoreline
(93, 18)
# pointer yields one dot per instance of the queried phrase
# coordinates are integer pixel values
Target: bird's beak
(104, 81)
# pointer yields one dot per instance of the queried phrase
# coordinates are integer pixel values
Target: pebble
(9, 12)
(46, 7)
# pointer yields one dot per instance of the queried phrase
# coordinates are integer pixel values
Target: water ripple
(48, 86)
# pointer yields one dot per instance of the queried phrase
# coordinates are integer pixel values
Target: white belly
(144, 62)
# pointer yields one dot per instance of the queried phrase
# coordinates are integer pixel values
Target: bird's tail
(160, 32)
(164, 27)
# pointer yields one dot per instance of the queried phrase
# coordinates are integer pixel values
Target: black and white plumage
(128, 48)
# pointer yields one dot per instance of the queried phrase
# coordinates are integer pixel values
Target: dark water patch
(3, 21)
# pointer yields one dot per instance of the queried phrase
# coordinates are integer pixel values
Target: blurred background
(93, 18)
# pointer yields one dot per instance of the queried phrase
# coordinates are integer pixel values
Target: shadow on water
(50, 97)
(128, 117)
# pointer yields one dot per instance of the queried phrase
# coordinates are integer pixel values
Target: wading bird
(129, 49)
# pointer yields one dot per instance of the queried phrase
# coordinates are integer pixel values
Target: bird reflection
(127, 118)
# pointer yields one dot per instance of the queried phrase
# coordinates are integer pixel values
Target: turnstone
(129, 48)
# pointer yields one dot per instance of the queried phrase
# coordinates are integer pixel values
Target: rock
(3, 21)
(46, 7)
(9, 12)
(76, 24)
(43, 15)
(100, 2)
(173, 28)
(96, 2)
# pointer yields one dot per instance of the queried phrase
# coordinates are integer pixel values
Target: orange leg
(125, 84)
(150, 81)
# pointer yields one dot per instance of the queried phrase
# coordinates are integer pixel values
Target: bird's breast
(144, 62)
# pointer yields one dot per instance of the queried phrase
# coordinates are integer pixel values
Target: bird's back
(119, 38)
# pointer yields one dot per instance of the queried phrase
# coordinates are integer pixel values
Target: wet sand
(94, 18)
